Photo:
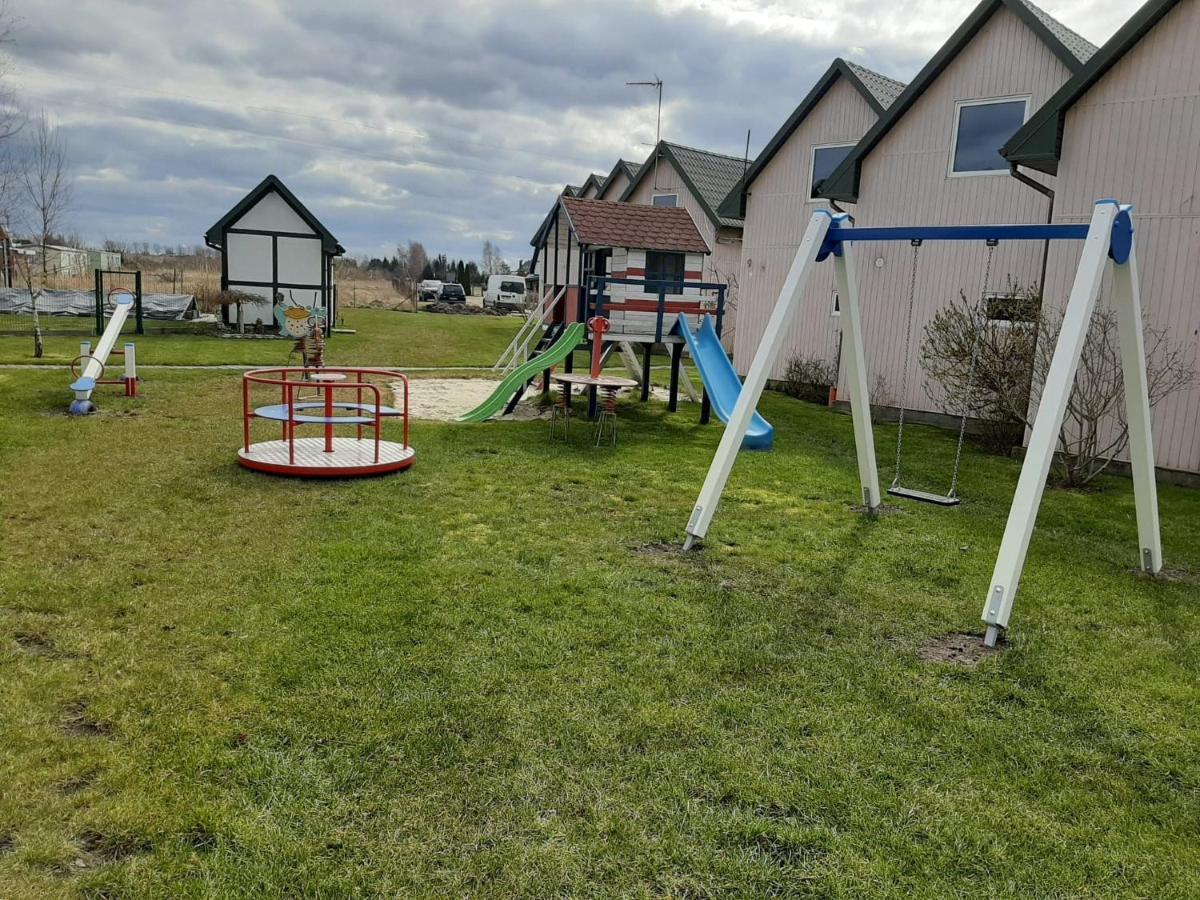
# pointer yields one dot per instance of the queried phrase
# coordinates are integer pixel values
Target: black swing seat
(924, 496)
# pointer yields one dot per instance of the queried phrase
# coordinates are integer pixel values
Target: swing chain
(962, 424)
(912, 295)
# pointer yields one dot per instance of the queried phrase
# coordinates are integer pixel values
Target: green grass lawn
(384, 338)
(494, 675)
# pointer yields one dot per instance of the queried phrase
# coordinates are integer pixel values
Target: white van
(504, 292)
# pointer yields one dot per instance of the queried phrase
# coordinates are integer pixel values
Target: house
(618, 180)
(933, 158)
(698, 181)
(272, 246)
(592, 187)
(1126, 126)
(641, 243)
(56, 258)
(776, 199)
(107, 260)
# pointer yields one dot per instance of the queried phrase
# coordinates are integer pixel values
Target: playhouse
(274, 248)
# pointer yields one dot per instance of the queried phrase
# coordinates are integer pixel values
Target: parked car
(504, 292)
(429, 289)
(452, 293)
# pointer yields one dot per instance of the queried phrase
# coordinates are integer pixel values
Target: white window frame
(656, 196)
(812, 166)
(835, 306)
(983, 101)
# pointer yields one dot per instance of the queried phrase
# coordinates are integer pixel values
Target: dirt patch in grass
(35, 644)
(77, 783)
(957, 647)
(77, 722)
(657, 549)
(8, 842)
(1170, 575)
(97, 849)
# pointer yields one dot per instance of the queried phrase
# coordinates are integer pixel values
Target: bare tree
(45, 181)
(993, 362)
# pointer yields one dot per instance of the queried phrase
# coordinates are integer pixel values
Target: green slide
(515, 380)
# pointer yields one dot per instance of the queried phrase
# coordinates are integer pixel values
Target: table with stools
(606, 421)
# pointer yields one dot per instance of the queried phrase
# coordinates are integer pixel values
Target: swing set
(1107, 244)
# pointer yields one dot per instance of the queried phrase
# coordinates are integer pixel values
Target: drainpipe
(1049, 194)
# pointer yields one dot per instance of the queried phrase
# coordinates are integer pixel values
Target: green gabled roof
(1071, 49)
(623, 165)
(878, 90)
(1038, 143)
(597, 180)
(709, 176)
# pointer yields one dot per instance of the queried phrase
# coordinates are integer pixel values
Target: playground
(524, 658)
(497, 674)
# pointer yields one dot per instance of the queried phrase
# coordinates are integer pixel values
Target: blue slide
(721, 381)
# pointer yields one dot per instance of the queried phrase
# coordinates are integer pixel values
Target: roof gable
(593, 181)
(877, 90)
(1070, 48)
(215, 236)
(605, 223)
(708, 176)
(1038, 143)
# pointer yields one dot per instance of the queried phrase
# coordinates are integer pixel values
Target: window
(837, 305)
(980, 129)
(824, 161)
(664, 266)
(513, 287)
(1011, 307)
(665, 200)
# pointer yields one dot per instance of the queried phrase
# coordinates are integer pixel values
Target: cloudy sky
(448, 122)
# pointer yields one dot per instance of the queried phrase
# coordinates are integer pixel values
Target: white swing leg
(1128, 302)
(756, 378)
(1055, 393)
(856, 377)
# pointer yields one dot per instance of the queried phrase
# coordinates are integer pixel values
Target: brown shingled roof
(603, 223)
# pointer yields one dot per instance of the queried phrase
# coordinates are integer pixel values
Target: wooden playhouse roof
(604, 223)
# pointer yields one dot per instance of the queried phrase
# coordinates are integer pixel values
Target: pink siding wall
(905, 181)
(615, 188)
(1135, 136)
(777, 211)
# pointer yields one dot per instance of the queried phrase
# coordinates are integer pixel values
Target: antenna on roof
(656, 83)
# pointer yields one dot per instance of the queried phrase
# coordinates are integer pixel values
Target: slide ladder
(517, 352)
(516, 380)
(721, 380)
(93, 367)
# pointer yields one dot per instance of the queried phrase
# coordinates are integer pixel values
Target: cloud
(448, 122)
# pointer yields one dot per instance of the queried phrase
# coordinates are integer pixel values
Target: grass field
(494, 675)
(384, 338)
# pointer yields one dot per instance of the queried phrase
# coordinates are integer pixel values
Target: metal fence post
(137, 285)
(99, 302)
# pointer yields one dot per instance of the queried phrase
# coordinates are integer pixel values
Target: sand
(445, 399)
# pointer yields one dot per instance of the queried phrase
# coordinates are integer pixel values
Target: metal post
(756, 379)
(99, 302)
(137, 309)
(676, 360)
(647, 353)
(1055, 393)
(856, 376)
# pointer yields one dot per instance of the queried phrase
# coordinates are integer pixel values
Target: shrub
(809, 378)
(991, 360)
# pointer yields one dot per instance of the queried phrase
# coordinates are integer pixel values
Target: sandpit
(445, 399)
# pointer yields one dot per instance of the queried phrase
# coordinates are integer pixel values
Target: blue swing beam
(839, 232)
